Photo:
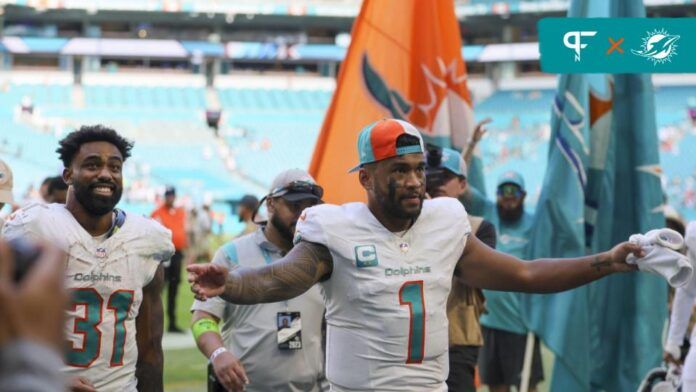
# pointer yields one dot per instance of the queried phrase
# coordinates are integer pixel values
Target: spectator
(199, 228)
(57, 190)
(43, 190)
(504, 334)
(252, 334)
(446, 176)
(247, 205)
(174, 219)
(31, 331)
(682, 308)
(5, 188)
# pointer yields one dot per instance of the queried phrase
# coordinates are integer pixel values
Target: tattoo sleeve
(149, 325)
(306, 264)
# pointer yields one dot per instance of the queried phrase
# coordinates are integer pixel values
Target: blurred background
(220, 95)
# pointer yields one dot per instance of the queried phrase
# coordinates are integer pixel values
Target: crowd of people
(392, 294)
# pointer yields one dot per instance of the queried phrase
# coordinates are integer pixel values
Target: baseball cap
(170, 190)
(452, 160)
(377, 141)
(5, 183)
(295, 185)
(511, 177)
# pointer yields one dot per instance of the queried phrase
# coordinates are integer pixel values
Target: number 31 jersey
(386, 299)
(105, 279)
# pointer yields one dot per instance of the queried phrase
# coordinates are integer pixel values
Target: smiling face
(96, 178)
(397, 185)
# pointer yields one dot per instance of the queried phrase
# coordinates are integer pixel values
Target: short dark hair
(56, 184)
(406, 140)
(70, 145)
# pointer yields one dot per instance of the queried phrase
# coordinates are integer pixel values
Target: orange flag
(404, 62)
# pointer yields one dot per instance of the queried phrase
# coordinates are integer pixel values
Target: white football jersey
(105, 278)
(386, 300)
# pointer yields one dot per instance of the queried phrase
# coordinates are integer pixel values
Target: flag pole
(527, 365)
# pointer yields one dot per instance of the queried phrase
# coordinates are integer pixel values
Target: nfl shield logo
(101, 253)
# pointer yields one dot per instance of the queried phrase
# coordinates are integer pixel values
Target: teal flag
(602, 184)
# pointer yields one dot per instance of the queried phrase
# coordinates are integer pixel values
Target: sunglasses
(298, 187)
(293, 187)
(507, 190)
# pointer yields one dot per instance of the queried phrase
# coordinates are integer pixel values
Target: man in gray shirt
(275, 346)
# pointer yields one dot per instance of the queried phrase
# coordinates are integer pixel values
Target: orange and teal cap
(377, 141)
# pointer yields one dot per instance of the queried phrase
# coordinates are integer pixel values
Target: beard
(96, 205)
(285, 231)
(391, 203)
(510, 215)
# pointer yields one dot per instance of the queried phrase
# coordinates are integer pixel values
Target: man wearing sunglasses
(504, 334)
(386, 268)
(273, 346)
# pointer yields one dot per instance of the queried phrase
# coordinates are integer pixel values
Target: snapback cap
(511, 177)
(377, 141)
(452, 160)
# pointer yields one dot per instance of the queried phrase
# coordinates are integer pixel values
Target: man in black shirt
(446, 177)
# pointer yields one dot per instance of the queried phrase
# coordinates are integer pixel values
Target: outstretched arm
(306, 264)
(481, 266)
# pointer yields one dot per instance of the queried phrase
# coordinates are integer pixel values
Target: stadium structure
(222, 94)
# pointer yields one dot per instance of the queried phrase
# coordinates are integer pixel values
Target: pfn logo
(573, 40)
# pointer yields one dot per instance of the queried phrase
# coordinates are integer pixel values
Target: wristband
(204, 325)
(217, 352)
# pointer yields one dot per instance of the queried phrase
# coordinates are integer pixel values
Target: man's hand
(207, 280)
(34, 308)
(230, 372)
(616, 257)
(480, 130)
(80, 384)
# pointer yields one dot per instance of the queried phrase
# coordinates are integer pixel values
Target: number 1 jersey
(386, 299)
(105, 278)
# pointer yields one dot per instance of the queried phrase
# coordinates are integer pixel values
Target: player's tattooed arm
(481, 266)
(305, 265)
(149, 325)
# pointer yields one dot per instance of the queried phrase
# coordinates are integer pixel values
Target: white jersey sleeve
(684, 298)
(25, 222)
(157, 249)
(309, 226)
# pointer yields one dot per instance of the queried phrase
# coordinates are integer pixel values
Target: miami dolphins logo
(440, 109)
(658, 46)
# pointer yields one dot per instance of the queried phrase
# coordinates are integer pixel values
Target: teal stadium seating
(279, 129)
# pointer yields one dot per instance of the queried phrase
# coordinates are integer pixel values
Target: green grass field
(185, 369)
